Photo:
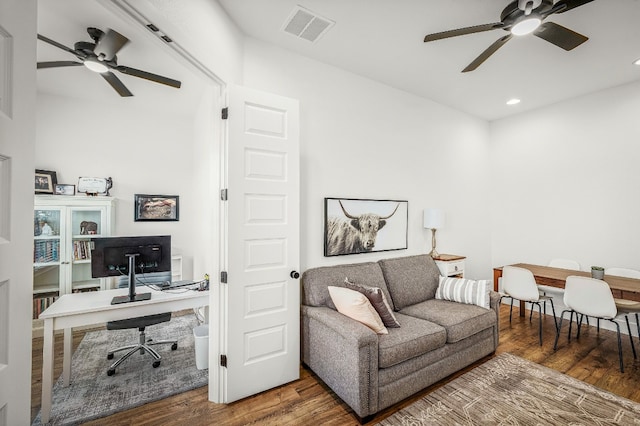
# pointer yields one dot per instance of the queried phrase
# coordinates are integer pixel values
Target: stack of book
(46, 251)
(81, 250)
(41, 303)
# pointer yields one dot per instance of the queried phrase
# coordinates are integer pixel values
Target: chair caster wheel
(109, 356)
(111, 372)
(174, 346)
(156, 364)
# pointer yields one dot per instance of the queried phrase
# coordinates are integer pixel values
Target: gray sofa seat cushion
(316, 280)
(411, 279)
(458, 319)
(414, 338)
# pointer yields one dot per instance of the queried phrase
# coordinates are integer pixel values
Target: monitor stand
(132, 296)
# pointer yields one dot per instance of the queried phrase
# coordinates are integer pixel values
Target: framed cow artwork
(353, 226)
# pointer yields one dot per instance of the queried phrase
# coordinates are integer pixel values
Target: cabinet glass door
(47, 252)
(85, 224)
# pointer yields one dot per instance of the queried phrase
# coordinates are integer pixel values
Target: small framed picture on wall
(156, 207)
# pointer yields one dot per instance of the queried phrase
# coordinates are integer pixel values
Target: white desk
(94, 307)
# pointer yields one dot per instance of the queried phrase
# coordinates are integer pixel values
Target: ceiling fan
(100, 57)
(519, 18)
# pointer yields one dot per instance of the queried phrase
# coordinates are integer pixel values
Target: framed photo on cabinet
(45, 181)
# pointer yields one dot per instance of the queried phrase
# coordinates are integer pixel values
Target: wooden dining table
(621, 287)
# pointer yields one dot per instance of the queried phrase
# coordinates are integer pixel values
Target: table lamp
(433, 219)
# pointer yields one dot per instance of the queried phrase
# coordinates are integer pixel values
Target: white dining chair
(586, 296)
(626, 307)
(559, 263)
(520, 284)
(565, 264)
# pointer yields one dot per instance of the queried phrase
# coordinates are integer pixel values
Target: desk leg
(47, 370)
(66, 360)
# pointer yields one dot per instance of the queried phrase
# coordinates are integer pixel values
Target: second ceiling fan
(519, 18)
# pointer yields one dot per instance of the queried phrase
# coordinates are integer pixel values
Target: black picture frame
(156, 208)
(45, 181)
(64, 189)
(345, 232)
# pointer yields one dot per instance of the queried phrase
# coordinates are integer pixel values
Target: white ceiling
(383, 40)
(66, 22)
(378, 39)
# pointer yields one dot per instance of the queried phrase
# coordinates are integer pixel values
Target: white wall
(204, 29)
(145, 152)
(362, 139)
(565, 182)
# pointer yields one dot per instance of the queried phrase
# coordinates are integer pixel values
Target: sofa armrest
(494, 303)
(344, 354)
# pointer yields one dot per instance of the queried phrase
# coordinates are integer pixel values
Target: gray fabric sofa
(371, 372)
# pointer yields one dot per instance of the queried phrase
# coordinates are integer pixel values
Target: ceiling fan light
(526, 26)
(95, 66)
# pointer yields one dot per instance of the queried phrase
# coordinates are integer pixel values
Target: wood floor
(593, 359)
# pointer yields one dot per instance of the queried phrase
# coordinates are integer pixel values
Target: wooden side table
(450, 265)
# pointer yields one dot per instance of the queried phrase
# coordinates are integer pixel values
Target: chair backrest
(564, 264)
(622, 272)
(589, 296)
(519, 283)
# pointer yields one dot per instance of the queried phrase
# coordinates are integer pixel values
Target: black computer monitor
(117, 256)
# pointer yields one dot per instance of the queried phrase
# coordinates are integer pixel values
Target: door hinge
(223, 277)
(225, 113)
(223, 194)
(223, 360)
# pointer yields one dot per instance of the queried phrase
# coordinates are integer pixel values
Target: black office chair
(144, 345)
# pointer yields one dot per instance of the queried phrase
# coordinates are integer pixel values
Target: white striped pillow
(464, 291)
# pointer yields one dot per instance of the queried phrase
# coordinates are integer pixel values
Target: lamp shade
(433, 218)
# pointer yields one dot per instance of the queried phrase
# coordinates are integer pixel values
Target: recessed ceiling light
(513, 101)
(636, 62)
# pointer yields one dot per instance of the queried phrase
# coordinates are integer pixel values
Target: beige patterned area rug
(92, 394)
(509, 390)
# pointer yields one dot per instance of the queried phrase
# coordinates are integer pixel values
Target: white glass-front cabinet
(62, 229)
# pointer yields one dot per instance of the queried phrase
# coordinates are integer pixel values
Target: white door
(263, 299)
(17, 138)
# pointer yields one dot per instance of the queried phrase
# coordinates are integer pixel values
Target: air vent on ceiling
(306, 25)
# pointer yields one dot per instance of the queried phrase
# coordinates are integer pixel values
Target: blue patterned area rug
(509, 390)
(92, 394)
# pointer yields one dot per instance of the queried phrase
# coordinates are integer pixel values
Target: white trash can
(201, 339)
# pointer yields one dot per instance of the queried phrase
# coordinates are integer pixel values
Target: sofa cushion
(414, 338)
(356, 306)
(411, 279)
(459, 320)
(378, 301)
(316, 280)
(464, 291)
